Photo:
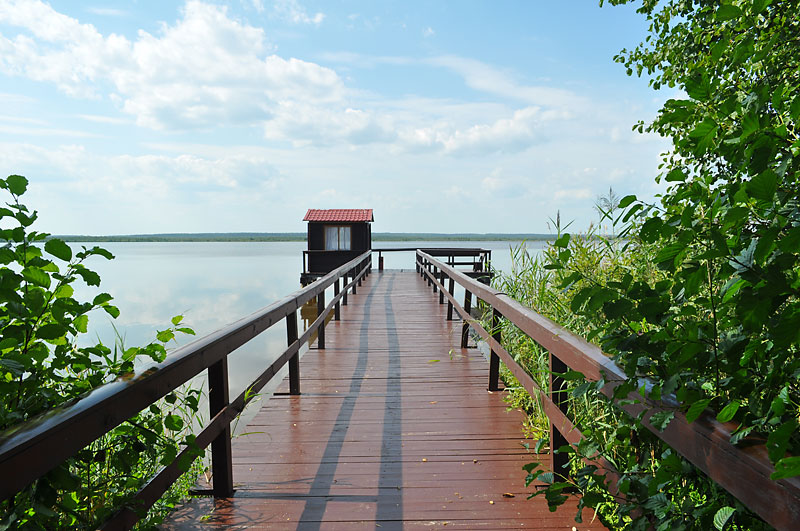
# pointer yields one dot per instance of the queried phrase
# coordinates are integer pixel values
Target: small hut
(335, 236)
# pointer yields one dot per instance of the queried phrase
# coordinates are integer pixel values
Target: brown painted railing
(32, 449)
(742, 470)
(478, 259)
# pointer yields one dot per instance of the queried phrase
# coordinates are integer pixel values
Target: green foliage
(42, 366)
(704, 298)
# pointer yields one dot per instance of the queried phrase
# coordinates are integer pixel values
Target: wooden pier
(391, 420)
(394, 429)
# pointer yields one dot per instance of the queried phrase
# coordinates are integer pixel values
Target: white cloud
(573, 193)
(107, 11)
(292, 11)
(308, 124)
(516, 133)
(428, 32)
(486, 78)
(204, 70)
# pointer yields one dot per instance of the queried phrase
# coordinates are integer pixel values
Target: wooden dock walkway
(395, 429)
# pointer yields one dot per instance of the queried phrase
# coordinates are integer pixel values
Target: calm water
(215, 283)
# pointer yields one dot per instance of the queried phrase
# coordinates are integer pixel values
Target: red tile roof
(339, 214)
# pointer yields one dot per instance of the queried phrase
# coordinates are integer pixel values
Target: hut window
(337, 238)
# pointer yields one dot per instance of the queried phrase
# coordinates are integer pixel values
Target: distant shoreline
(300, 237)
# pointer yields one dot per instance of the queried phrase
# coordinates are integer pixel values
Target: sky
(141, 117)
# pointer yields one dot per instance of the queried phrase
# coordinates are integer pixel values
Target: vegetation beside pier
(700, 294)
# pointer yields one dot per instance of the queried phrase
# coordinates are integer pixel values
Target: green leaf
(786, 468)
(17, 184)
(763, 185)
(778, 440)
(790, 243)
(177, 319)
(722, 516)
(628, 199)
(113, 311)
(696, 409)
(99, 251)
(750, 125)
(562, 241)
(661, 419)
(51, 331)
(64, 291)
(728, 411)
(81, 323)
(101, 299)
(15, 368)
(59, 249)
(90, 277)
(173, 422)
(7, 256)
(727, 12)
(580, 298)
(165, 336)
(669, 252)
(698, 87)
(651, 230)
(36, 276)
(676, 175)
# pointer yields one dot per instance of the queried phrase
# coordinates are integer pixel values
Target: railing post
(221, 462)
(336, 312)
(494, 359)
(465, 326)
(559, 396)
(353, 274)
(321, 311)
(294, 361)
(434, 274)
(441, 291)
(346, 289)
(450, 302)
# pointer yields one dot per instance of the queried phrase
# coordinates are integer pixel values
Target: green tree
(721, 329)
(43, 366)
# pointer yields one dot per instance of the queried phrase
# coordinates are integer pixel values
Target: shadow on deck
(394, 429)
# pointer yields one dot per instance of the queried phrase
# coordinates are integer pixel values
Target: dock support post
(494, 359)
(221, 462)
(441, 291)
(321, 311)
(435, 273)
(336, 312)
(294, 361)
(465, 326)
(353, 275)
(559, 395)
(449, 302)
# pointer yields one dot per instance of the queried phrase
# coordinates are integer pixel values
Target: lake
(215, 283)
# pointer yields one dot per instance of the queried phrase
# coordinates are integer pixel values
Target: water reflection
(215, 283)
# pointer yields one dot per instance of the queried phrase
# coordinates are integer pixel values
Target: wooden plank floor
(395, 429)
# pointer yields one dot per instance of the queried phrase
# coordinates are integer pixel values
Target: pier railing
(32, 449)
(477, 259)
(744, 471)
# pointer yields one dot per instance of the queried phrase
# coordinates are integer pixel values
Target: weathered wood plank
(395, 429)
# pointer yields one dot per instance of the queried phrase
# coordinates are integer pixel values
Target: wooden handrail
(33, 448)
(744, 471)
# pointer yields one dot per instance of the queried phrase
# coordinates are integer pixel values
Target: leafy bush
(42, 366)
(703, 298)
